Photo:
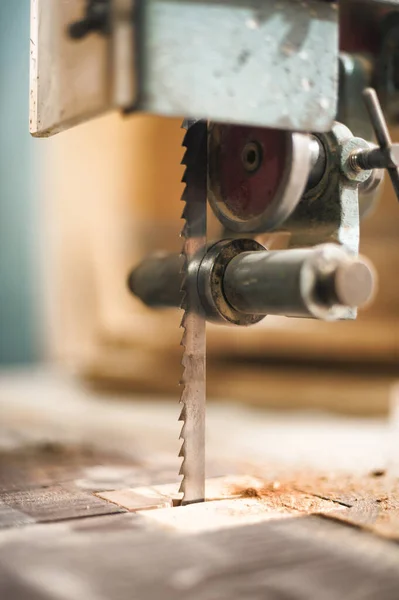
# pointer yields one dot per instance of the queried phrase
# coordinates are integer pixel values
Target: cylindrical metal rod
(377, 118)
(387, 149)
(318, 162)
(319, 282)
(315, 282)
(374, 158)
(157, 280)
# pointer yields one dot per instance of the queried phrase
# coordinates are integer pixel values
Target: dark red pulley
(256, 175)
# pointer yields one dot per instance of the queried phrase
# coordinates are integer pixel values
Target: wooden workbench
(315, 515)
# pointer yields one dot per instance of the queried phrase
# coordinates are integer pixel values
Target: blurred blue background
(19, 208)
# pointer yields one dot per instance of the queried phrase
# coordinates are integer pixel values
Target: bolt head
(350, 147)
(354, 283)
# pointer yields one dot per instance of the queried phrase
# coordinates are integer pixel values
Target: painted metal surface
(250, 62)
(253, 62)
(69, 79)
(256, 201)
(330, 211)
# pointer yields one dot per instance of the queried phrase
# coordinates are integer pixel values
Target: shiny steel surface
(193, 322)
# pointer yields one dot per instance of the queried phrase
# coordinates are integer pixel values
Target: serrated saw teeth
(182, 416)
(193, 233)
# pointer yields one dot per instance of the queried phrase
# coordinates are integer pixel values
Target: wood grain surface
(75, 523)
(301, 558)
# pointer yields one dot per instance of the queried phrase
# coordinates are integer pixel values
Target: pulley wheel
(256, 176)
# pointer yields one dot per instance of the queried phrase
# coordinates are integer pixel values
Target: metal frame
(238, 61)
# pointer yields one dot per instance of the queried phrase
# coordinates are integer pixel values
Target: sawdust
(272, 490)
(248, 493)
(378, 473)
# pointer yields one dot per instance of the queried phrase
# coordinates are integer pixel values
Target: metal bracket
(236, 61)
(330, 211)
(242, 62)
(73, 80)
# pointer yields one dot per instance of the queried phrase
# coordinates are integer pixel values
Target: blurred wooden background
(112, 195)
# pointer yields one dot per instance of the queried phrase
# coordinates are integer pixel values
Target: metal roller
(256, 176)
(157, 280)
(240, 282)
(320, 283)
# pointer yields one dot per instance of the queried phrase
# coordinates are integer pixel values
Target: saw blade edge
(193, 321)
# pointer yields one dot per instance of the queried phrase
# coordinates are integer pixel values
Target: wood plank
(145, 498)
(30, 473)
(217, 514)
(303, 557)
(230, 502)
(44, 464)
(57, 503)
(372, 500)
(255, 381)
(10, 517)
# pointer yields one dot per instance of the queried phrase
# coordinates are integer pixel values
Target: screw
(350, 283)
(95, 19)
